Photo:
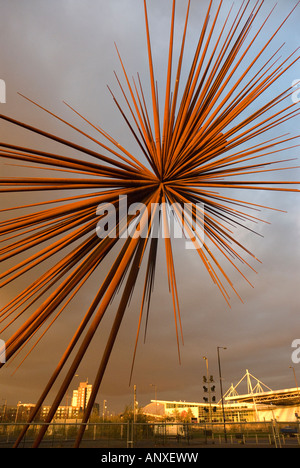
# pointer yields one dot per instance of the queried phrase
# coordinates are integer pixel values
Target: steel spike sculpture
(199, 146)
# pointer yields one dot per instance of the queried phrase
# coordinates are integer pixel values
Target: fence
(143, 435)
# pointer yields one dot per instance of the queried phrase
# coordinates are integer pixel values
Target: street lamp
(68, 413)
(134, 403)
(155, 395)
(221, 387)
(18, 406)
(104, 409)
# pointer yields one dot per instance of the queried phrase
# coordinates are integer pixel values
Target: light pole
(134, 403)
(67, 412)
(155, 396)
(4, 409)
(221, 388)
(209, 397)
(104, 409)
(18, 406)
(291, 367)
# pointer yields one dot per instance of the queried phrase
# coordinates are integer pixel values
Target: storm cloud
(64, 50)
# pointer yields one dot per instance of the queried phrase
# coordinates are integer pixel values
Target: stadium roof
(260, 393)
(286, 397)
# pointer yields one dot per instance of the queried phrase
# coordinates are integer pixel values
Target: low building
(256, 405)
(200, 412)
(62, 413)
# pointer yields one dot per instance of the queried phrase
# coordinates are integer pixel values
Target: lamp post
(17, 412)
(291, 367)
(104, 409)
(221, 387)
(69, 413)
(209, 396)
(155, 395)
(134, 403)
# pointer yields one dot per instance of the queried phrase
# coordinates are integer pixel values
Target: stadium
(259, 404)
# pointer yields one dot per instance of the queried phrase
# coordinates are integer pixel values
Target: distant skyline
(64, 50)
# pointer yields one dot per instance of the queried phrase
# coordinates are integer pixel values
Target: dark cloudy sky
(64, 50)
